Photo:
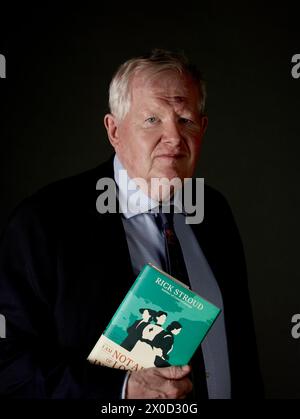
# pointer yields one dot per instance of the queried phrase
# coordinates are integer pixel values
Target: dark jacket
(134, 333)
(65, 268)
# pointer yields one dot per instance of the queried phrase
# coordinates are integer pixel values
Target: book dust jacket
(160, 322)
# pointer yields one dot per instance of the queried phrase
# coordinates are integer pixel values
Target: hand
(159, 383)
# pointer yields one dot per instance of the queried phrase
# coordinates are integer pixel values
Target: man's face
(161, 134)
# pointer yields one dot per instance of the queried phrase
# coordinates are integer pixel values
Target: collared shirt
(146, 244)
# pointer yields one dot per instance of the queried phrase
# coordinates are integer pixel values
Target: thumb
(174, 373)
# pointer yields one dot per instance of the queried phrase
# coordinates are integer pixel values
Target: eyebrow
(179, 99)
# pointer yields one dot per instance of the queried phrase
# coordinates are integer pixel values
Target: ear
(111, 126)
(204, 123)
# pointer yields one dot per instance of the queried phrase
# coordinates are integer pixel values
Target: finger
(149, 383)
(177, 389)
(174, 373)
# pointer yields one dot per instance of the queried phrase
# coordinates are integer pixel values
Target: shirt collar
(132, 199)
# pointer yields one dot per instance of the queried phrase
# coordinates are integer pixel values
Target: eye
(151, 120)
(185, 121)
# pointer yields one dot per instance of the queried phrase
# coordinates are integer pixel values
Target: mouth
(170, 156)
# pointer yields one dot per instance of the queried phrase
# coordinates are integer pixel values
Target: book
(160, 322)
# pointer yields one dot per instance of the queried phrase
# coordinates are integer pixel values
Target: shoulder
(61, 200)
(217, 209)
(215, 199)
(218, 226)
(75, 189)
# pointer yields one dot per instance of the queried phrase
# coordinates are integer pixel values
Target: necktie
(176, 267)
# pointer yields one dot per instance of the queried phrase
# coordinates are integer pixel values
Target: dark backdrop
(59, 64)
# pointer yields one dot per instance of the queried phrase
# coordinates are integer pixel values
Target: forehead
(165, 85)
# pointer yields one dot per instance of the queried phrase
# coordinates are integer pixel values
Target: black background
(59, 64)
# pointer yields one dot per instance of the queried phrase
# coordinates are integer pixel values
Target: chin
(171, 171)
(171, 174)
(167, 172)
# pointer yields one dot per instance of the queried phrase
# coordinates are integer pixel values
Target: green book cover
(160, 322)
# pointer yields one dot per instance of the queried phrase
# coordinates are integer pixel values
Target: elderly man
(65, 266)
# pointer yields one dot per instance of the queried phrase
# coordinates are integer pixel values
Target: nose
(172, 133)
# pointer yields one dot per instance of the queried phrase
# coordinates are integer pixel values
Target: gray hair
(159, 60)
